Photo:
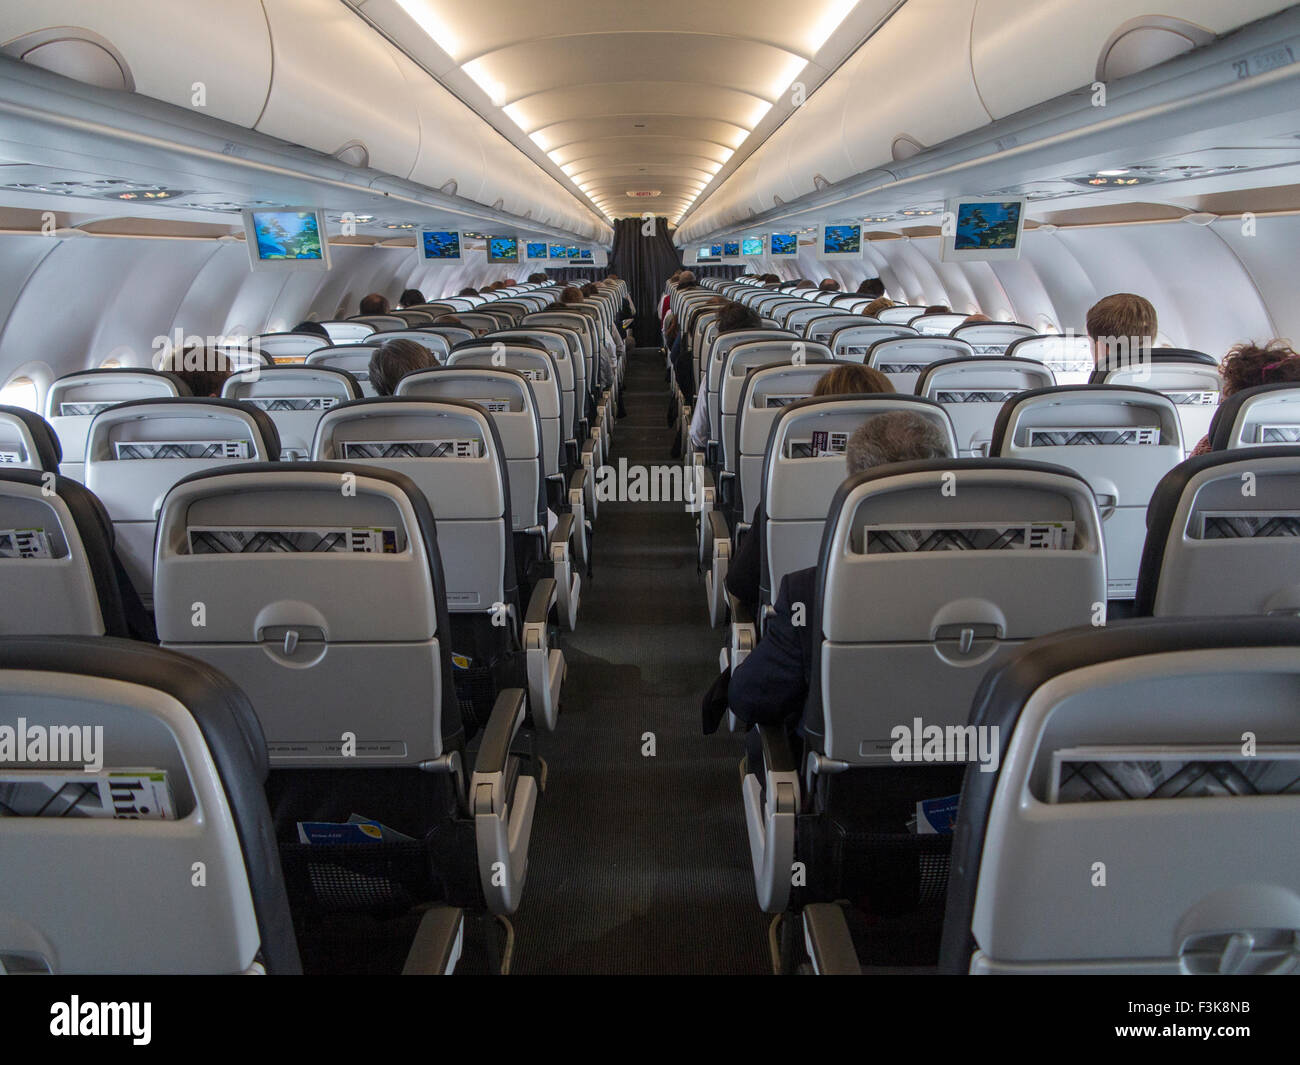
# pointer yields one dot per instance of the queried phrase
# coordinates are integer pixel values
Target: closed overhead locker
(450, 157)
(151, 47)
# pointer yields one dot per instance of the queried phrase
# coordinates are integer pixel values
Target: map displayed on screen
(287, 235)
(785, 243)
(842, 240)
(985, 226)
(440, 244)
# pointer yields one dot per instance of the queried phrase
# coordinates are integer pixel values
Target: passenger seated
(1248, 365)
(744, 575)
(828, 284)
(203, 369)
(873, 287)
(1121, 328)
(771, 685)
(608, 351)
(374, 304)
(938, 308)
(977, 319)
(467, 291)
(732, 318)
(314, 328)
(393, 360)
(880, 303)
(412, 297)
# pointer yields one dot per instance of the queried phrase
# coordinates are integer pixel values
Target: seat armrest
(777, 755)
(503, 821)
(771, 810)
(719, 557)
(545, 664)
(828, 941)
(577, 499)
(437, 944)
(567, 579)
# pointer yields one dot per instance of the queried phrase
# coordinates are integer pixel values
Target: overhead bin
(151, 47)
(1017, 55)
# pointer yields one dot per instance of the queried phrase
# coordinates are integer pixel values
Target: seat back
(823, 327)
(479, 321)
(353, 359)
(953, 579)
(438, 344)
(351, 331)
(1123, 440)
(713, 367)
(1265, 414)
(569, 380)
(381, 322)
(56, 559)
(972, 391)
(852, 342)
(579, 324)
(140, 708)
(294, 397)
(323, 592)
(903, 359)
(936, 325)
(27, 441)
(804, 464)
(764, 393)
(1160, 804)
(414, 319)
(508, 397)
(992, 338)
(1069, 357)
(534, 362)
(136, 451)
(1223, 536)
(452, 334)
(801, 320)
(901, 314)
(1193, 387)
(745, 357)
(287, 347)
(75, 399)
(451, 452)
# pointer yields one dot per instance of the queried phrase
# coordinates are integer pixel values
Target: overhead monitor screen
(290, 236)
(984, 229)
(502, 249)
(559, 251)
(441, 245)
(730, 249)
(784, 245)
(704, 254)
(841, 240)
(580, 255)
(536, 250)
(715, 251)
(751, 247)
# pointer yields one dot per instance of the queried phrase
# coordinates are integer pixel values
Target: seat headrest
(262, 421)
(47, 451)
(1225, 418)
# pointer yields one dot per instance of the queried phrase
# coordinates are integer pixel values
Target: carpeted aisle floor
(640, 864)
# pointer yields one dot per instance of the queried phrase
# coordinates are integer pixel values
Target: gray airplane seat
(380, 323)
(60, 574)
(348, 332)
(1069, 357)
(1135, 822)
(74, 399)
(511, 399)
(479, 321)
(568, 381)
(801, 320)
(27, 441)
(904, 359)
(136, 451)
(288, 347)
(351, 358)
(852, 342)
(294, 397)
(936, 325)
(713, 363)
(992, 338)
(973, 390)
(1192, 385)
(1122, 439)
(413, 318)
(929, 574)
(1223, 536)
(821, 329)
(179, 872)
(437, 345)
(451, 450)
(1265, 414)
(579, 325)
(320, 585)
(453, 334)
(900, 314)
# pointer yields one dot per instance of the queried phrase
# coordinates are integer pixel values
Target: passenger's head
(538, 279)
(880, 303)
(314, 328)
(1120, 327)
(467, 292)
(771, 279)
(571, 295)
(899, 436)
(687, 280)
(873, 287)
(374, 304)
(852, 379)
(412, 297)
(450, 319)
(938, 308)
(829, 284)
(393, 360)
(976, 319)
(203, 369)
(590, 290)
(735, 316)
(612, 277)
(1248, 365)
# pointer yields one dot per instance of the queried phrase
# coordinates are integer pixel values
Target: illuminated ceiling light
(727, 153)
(515, 113)
(477, 70)
(428, 19)
(788, 70)
(1111, 173)
(820, 32)
(540, 139)
(761, 108)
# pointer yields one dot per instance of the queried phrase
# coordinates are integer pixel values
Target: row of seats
(962, 605)
(389, 664)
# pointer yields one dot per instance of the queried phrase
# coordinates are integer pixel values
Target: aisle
(640, 864)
